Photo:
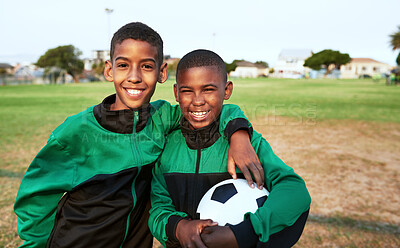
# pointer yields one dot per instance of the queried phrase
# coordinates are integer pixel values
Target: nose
(198, 100)
(135, 75)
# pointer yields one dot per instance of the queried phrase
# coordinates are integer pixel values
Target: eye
(209, 89)
(122, 65)
(185, 90)
(148, 66)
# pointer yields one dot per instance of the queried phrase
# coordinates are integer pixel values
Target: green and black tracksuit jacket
(195, 160)
(89, 186)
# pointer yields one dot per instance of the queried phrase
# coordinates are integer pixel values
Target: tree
(395, 43)
(263, 63)
(171, 67)
(395, 39)
(3, 71)
(231, 67)
(398, 59)
(65, 58)
(327, 59)
(98, 69)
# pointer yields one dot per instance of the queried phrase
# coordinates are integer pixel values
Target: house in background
(98, 56)
(359, 67)
(290, 63)
(6, 68)
(246, 69)
(21, 74)
(30, 72)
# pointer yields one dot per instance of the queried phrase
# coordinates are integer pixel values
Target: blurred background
(274, 33)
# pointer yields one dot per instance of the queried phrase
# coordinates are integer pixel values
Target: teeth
(133, 92)
(199, 113)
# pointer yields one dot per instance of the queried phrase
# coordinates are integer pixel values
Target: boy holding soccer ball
(194, 160)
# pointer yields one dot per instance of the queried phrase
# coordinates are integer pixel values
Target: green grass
(318, 99)
(313, 99)
(30, 110)
(27, 111)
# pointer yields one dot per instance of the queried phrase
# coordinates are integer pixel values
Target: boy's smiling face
(201, 92)
(135, 71)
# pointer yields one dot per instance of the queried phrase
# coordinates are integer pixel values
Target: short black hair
(200, 58)
(138, 31)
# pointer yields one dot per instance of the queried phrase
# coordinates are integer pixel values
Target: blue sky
(252, 30)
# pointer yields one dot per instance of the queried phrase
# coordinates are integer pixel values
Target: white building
(363, 66)
(290, 63)
(246, 69)
(97, 57)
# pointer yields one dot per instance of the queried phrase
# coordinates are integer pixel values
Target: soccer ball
(228, 201)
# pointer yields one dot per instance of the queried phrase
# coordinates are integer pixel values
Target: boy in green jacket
(90, 184)
(194, 160)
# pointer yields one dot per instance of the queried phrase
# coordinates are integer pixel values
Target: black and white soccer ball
(228, 201)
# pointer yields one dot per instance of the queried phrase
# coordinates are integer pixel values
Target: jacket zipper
(196, 175)
(136, 154)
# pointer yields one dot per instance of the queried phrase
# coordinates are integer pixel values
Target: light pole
(109, 12)
(213, 46)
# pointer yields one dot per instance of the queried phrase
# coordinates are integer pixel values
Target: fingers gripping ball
(229, 200)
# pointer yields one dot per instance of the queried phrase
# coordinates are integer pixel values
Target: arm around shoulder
(166, 116)
(233, 119)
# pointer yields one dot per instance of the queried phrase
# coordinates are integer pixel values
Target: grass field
(341, 136)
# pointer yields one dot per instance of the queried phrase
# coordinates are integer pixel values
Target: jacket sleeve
(232, 118)
(288, 196)
(166, 116)
(163, 215)
(48, 177)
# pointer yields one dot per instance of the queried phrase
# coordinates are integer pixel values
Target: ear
(108, 71)
(176, 92)
(163, 73)
(228, 90)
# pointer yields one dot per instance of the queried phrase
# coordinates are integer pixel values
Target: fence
(10, 80)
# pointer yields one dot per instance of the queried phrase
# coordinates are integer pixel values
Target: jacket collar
(120, 121)
(200, 138)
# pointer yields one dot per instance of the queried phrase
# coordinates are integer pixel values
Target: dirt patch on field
(352, 171)
(351, 168)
